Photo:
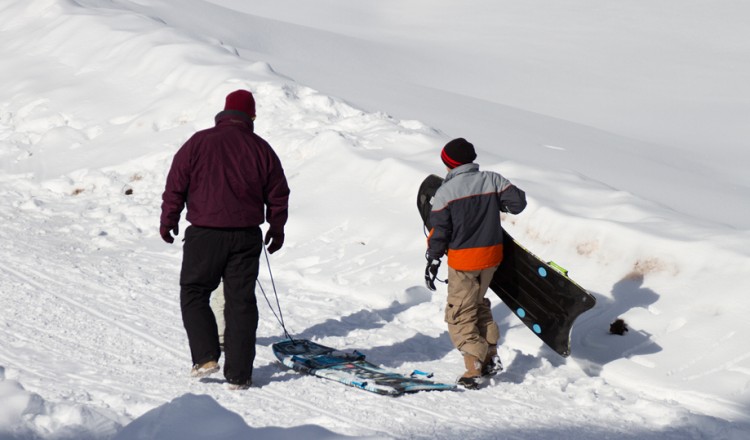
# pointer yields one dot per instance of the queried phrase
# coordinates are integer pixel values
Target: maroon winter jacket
(227, 175)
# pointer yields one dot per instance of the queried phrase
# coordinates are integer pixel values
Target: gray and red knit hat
(458, 152)
(241, 100)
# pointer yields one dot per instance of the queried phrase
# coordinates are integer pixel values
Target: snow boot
(470, 379)
(491, 365)
(204, 369)
(239, 386)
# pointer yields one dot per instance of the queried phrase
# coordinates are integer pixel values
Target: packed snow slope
(625, 123)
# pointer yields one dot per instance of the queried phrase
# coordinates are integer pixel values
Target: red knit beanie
(458, 152)
(241, 100)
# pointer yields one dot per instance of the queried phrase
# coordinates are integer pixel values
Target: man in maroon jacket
(231, 180)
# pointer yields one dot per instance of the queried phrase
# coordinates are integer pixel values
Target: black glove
(164, 231)
(276, 239)
(430, 272)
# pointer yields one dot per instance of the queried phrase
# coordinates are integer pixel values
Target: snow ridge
(100, 95)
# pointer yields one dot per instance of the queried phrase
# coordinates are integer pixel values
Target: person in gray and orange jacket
(465, 221)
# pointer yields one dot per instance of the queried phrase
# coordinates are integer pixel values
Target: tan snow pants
(468, 315)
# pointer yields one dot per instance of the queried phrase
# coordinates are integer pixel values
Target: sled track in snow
(87, 296)
(400, 405)
(47, 285)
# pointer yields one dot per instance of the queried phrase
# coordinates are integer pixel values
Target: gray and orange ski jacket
(465, 217)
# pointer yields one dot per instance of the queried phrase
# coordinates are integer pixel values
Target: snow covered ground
(625, 122)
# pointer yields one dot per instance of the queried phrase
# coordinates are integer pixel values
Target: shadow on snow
(418, 348)
(595, 345)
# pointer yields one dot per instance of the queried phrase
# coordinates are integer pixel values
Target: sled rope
(279, 316)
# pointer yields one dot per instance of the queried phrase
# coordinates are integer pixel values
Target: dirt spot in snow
(587, 248)
(647, 266)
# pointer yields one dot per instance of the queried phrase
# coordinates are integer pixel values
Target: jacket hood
(465, 168)
(235, 117)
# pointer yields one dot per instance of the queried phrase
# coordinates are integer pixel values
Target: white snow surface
(625, 123)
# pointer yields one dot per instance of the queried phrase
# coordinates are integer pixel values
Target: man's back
(227, 174)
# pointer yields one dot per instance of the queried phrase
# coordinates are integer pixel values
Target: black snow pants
(210, 254)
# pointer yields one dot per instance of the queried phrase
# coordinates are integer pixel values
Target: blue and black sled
(350, 369)
(541, 294)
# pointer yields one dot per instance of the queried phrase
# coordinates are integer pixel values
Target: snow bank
(191, 416)
(100, 95)
(26, 415)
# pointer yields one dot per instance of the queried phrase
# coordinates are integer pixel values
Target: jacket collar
(462, 169)
(234, 117)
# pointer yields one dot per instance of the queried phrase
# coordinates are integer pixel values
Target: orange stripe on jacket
(475, 258)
